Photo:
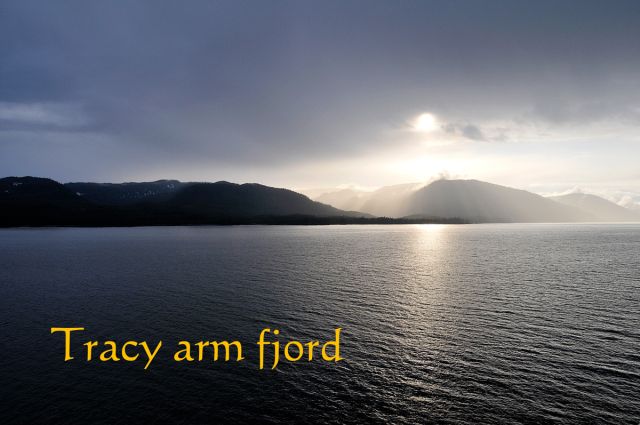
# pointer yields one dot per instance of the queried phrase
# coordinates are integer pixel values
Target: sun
(425, 122)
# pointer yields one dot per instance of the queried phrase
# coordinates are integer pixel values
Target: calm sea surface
(442, 324)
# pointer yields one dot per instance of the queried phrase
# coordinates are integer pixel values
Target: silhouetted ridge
(30, 201)
(37, 201)
(35, 189)
(127, 193)
(250, 199)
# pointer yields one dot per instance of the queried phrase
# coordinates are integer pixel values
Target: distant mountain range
(33, 201)
(477, 201)
(389, 201)
(598, 207)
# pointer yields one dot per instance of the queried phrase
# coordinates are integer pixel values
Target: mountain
(346, 199)
(391, 201)
(478, 201)
(25, 200)
(219, 199)
(127, 193)
(467, 200)
(250, 199)
(31, 201)
(35, 190)
(599, 208)
(388, 201)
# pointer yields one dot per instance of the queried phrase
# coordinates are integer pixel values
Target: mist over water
(448, 324)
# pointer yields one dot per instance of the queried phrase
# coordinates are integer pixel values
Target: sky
(543, 95)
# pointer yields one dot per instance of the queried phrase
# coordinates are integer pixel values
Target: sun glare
(425, 122)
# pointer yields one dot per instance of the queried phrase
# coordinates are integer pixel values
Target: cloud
(468, 131)
(252, 86)
(585, 113)
(472, 132)
(570, 191)
(631, 201)
(38, 115)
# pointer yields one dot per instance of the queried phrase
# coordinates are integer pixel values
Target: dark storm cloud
(278, 82)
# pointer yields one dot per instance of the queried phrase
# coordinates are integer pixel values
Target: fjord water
(445, 324)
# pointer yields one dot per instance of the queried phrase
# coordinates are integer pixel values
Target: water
(446, 324)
